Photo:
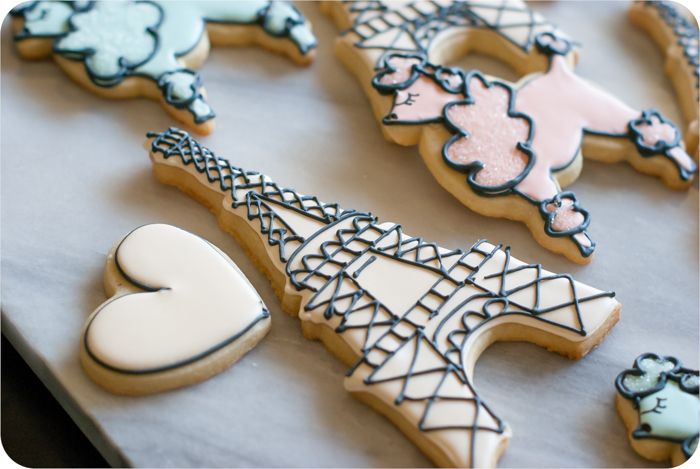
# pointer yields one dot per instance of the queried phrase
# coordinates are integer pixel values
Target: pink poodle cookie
(149, 48)
(409, 316)
(179, 312)
(503, 149)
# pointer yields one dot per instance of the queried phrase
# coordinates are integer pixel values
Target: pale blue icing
(116, 33)
(47, 18)
(671, 412)
(119, 38)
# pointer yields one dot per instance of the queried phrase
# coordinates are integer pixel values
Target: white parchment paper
(75, 178)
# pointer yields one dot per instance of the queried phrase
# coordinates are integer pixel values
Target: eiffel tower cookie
(410, 317)
(502, 149)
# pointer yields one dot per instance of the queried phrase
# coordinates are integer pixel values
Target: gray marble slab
(75, 178)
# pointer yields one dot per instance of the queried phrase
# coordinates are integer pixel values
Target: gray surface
(75, 178)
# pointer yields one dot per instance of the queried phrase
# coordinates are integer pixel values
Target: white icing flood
(405, 305)
(201, 300)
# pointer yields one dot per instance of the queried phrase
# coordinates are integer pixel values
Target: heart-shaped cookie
(180, 311)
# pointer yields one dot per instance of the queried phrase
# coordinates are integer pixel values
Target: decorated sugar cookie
(679, 38)
(179, 312)
(410, 317)
(503, 149)
(659, 403)
(126, 49)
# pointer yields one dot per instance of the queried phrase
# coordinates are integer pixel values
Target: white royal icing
(200, 301)
(409, 313)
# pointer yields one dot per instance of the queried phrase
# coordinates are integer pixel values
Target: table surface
(75, 178)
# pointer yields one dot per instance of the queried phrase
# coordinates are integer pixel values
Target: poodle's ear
(648, 375)
(398, 72)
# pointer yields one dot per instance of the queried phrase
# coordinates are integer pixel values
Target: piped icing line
(127, 333)
(406, 311)
(146, 39)
(665, 398)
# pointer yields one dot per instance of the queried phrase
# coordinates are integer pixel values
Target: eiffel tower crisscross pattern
(251, 188)
(411, 335)
(412, 27)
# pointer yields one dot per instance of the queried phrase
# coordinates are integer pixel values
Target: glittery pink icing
(566, 217)
(561, 104)
(492, 135)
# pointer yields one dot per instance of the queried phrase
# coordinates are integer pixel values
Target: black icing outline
(685, 447)
(265, 313)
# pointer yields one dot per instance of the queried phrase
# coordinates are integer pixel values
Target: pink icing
(656, 131)
(561, 104)
(566, 217)
(404, 69)
(682, 158)
(492, 135)
(583, 239)
(428, 100)
(661, 131)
